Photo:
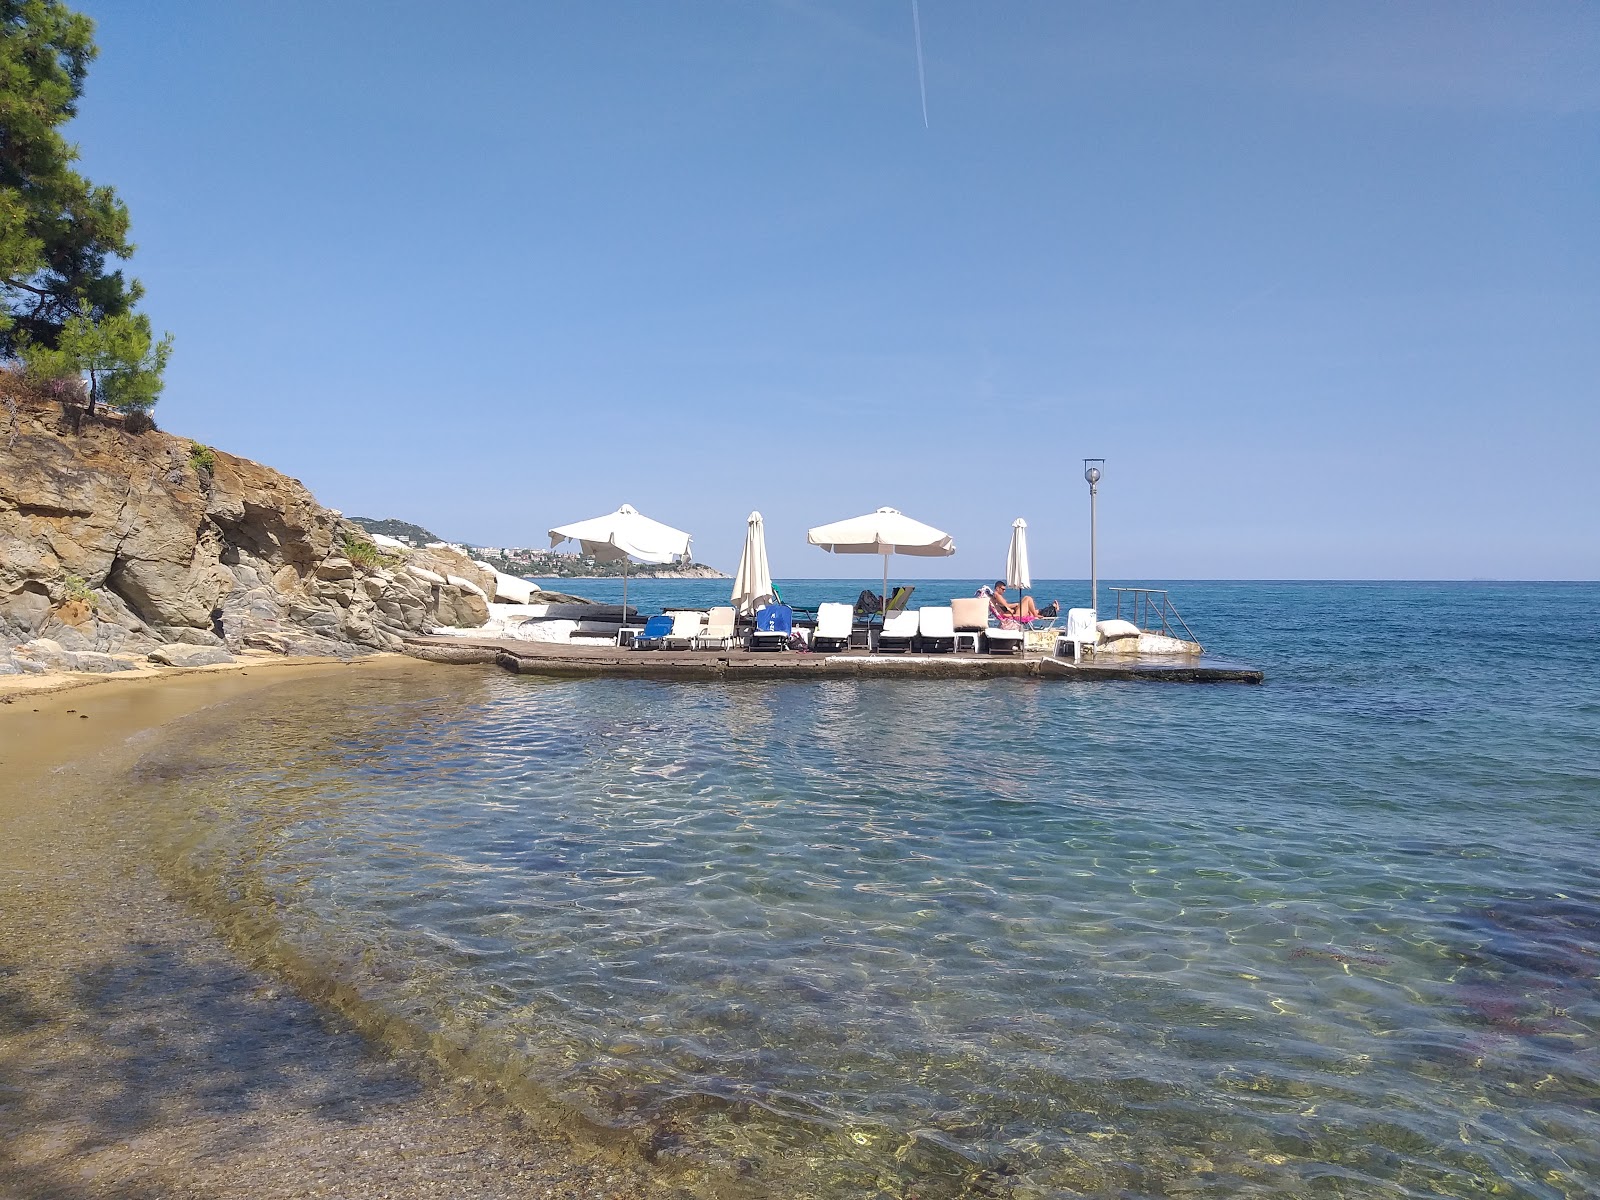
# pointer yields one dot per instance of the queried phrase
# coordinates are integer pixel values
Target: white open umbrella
(887, 531)
(1017, 575)
(624, 534)
(752, 584)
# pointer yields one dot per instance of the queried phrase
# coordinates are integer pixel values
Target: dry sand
(139, 1057)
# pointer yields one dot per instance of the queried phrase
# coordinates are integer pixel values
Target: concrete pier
(548, 658)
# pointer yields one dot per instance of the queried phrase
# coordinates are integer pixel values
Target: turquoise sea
(1337, 935)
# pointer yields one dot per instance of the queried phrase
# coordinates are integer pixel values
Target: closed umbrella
(752, 584)
(885, 532)
(624, 534)
(1017, 557)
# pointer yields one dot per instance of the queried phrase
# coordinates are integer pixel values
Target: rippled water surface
(1338, 935)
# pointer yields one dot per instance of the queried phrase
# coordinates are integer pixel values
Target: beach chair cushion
(970, 612)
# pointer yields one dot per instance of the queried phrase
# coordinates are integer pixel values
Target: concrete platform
(546, 658)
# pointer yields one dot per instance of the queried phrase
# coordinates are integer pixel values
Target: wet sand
(140, 1058)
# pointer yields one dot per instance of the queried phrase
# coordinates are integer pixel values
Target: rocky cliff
(119, 548)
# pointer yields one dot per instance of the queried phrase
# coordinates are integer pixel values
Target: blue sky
(1320, 282)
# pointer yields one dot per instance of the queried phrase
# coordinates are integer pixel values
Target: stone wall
(116, 549)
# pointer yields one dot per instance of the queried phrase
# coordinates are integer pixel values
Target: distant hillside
(529, 562)
(404, 530)
(548, 564)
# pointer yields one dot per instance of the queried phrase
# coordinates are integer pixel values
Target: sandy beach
(140, 1058)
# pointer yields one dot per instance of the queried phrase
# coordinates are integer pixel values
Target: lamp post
(1091, 473)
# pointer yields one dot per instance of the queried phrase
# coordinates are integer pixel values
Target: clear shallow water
(1337, 935)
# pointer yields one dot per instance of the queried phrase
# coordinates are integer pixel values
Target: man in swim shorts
(1024, 610)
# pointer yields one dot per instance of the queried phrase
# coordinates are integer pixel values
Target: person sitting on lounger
(1024, 611)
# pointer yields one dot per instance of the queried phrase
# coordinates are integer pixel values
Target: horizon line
(1085, 579)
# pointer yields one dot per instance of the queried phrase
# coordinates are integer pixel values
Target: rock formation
(120, 548)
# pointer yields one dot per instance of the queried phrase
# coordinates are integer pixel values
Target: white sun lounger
(1005, 641)
(833, 627)
(937, 629)
(686, 627)
(718, 631)
(898, 631)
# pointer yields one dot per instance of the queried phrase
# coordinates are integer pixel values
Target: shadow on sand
(114, 1077)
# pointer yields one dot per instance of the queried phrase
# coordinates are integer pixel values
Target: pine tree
(65, 309)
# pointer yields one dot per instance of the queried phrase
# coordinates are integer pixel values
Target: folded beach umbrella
(624, 534)
(1017, 557)
(887, 531)
(752, 584)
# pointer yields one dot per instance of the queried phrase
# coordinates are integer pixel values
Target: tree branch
(25, 287)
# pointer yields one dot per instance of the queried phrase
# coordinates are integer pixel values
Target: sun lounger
(655, 629)
(936, 630)
(686, 627)
(898, 632)
(869, 604)
(774, 624)
(718, 631)
(1005, 641)
(971, 619)
(833, 627)
(1008, 620)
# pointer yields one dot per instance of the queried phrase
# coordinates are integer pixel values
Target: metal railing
(1151, 609)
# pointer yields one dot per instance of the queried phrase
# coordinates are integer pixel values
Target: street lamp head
(1091, 470)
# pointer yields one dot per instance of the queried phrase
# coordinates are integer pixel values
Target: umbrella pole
(624, 589)
(883, 609)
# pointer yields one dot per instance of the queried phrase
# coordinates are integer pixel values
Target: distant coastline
(691, 573)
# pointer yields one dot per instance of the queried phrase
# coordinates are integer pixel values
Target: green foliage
(202, 458)
(405, 530)
(59, 233)
(76, 587)
(363, 553)
(124, 366)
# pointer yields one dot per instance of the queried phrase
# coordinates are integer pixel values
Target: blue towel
(775, 618)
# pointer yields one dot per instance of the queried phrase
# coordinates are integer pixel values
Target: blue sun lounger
(656, 630)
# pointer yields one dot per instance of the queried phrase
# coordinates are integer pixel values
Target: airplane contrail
(922, 82)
